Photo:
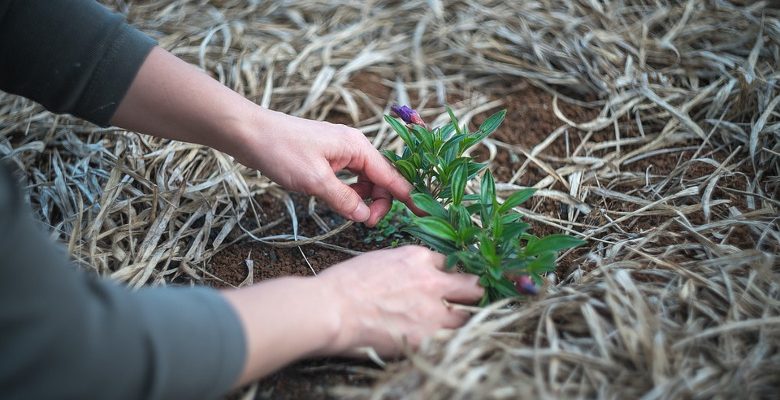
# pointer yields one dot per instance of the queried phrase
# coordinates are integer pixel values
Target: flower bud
(525, 285)
(407, 114)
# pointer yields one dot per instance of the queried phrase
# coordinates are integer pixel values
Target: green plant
(475, 231)
(391, 226)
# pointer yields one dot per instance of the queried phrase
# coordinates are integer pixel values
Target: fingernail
(361, 213)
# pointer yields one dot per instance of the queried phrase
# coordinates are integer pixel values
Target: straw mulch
(676, 294)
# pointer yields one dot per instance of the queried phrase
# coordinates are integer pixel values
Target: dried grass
(677, 293)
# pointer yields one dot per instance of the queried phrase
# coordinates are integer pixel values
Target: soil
(529, 121)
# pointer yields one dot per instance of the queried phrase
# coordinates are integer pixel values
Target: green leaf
(441, 245)
(450, 148)
(427, 203)
(467, 143)
(462, 215)
(491, 124)
(424, 136)
(488, 250)
(447, 130)
(430, 162)
(458, 183)
(543, 263)
(400, 129)
(471, 197)
(438, 227)
(468, 235)
(516, 199)
(495, 272)
(474, 168)
(505, 288)
(407, 170)
(454, 120)
(513, 230)
(516, 265)
(470, 261)
(390, 155)
(552, 243)
(452, 261)
(487, 196)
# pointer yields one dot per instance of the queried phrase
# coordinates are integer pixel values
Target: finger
(454, 318)
(463, 288)
(379, 171)
(438, 260)
(342, 199)
(363, 188)
(382, 201)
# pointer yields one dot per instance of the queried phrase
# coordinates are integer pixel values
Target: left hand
(304, 155)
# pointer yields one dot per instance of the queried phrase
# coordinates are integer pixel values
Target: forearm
(285, 320)
(72, 56)
(67, 335)
(172, 99)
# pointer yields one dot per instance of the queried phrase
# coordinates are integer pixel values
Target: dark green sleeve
(67, 335)
(72, 56)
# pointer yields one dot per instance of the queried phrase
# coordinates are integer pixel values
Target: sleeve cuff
(114, 75)
(205, 347)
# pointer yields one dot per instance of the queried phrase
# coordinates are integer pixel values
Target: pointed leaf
(426, 202)
(407, 170)
(513, 230)
(543, 263)
(441, 245)
(390, 155)
(487, 196)
(552, 243)
(516, 199)
(458, 183)
(491, 124)
(400, 129)
(505, 288)
(454, 120)
(424, 136)
(438, 227)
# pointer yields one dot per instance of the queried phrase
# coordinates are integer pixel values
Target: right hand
(387, 297)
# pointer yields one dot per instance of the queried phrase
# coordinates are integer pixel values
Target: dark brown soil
(529, 121)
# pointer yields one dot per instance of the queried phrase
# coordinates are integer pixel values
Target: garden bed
(664, 159)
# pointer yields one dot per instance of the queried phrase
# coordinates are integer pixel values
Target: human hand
(172, 99)
(388, 296)
(303, 155)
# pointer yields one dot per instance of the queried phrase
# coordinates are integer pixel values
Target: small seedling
(391, 226)
(475, 231)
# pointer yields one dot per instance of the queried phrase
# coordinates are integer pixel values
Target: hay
(686, 307)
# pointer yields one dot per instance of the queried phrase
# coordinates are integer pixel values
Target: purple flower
(525, 285)
(407, 114)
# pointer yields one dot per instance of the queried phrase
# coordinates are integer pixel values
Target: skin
(381, 299)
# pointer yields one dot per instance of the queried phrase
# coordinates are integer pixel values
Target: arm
(172, 99)
(391, 294)
(380, 300)
(97, 339)
(64, 334)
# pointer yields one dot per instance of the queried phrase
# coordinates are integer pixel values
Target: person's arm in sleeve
(64, 334)
(72, 56)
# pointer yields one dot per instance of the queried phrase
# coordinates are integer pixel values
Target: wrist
(327, 316)
(284, 320)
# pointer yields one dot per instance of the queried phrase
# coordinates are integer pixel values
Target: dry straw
(677, 293)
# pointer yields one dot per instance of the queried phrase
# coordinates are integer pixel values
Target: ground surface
(529, 121)
(664, 156)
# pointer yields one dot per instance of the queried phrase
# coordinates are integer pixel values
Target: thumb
(343, 199)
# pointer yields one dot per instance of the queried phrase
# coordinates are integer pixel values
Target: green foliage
(391, 226)
(474, 231)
